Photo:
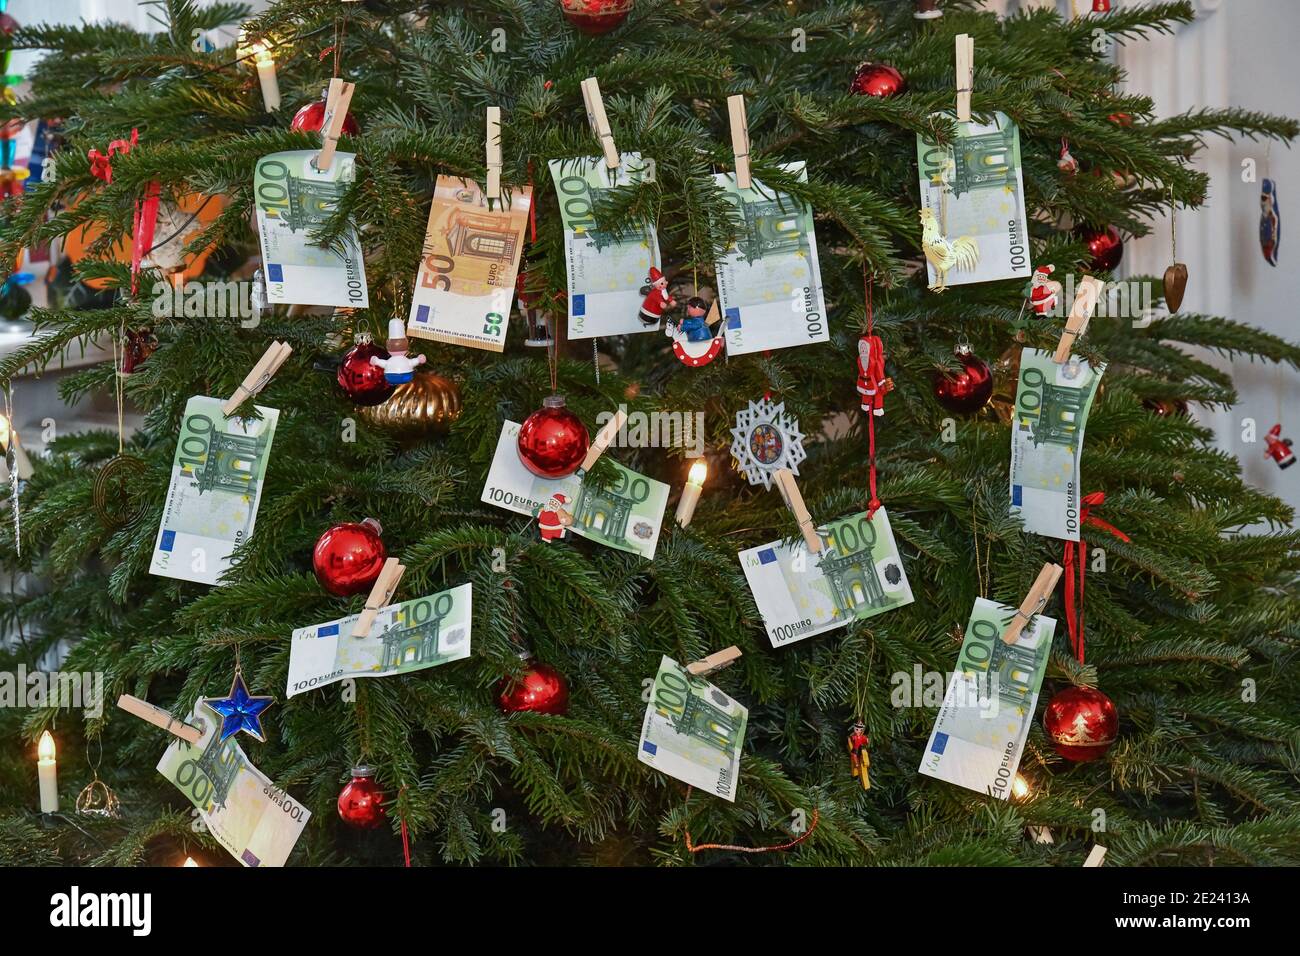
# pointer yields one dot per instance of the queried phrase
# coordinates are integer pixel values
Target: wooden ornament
(1175, 285)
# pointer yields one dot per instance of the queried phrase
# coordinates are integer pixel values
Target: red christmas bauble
(877, 79)
(1081, 723)
(348, 558)
(968, 390)
(595, 17)
(310, 118)
(553, 440)
(361, 801)
(1105, 248)
(362, 382)
(542, 690)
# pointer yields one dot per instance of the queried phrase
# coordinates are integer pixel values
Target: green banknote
(256, 821)
(770, 282)
(973, 204)
(859, 574)
(294, 199)
(1052, 406)
(693, 731)
(981, 729)
(607, 270)
(626, 514)
(405, 637)
(216, 486)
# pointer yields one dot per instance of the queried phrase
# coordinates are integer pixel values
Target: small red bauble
(361, 381)
(553, 441)
(1105, 248)
(968, 390)
(348, 558)
(595, 17)
(877, 79)
(542, 690)
(310, 118)
(361, 801)
(1081, 723)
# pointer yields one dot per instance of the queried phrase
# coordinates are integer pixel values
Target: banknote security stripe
(940, 743)
(1017, 494)
(275, 272)
(168, 541)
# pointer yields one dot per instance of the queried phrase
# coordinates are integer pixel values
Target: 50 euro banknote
(294, 199)
(857, 575)
(256, 821)
(1052, 406)
(466, 281)
(981, 728)
(406, 637)
(692, 731)
(217, 476)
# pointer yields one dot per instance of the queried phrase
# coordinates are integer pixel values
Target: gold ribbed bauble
(427, 404)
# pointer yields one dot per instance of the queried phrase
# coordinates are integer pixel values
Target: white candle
(266, 76)
(691, 493)
(48, 774)
(189, 861)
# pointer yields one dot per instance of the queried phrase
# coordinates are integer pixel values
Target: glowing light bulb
(691, 493)
(47, 774)
(45, 750)
(189, 861)
(1020, 787)
(699, 471)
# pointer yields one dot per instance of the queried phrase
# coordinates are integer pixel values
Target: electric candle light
(1020, 787)
(691, 493)
(47, 774)
(266, 76)
(189, 861)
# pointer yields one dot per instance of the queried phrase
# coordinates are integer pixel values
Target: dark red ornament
(595, 17)
(310, 118)
(139, 345)
(877, 79)
(362, 382)
(348, 557)
(542, 690)
(361, 801)
(1105, 248)
(553, 441)
(1081, 723)
(968, 390)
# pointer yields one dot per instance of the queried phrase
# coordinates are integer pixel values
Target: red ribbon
(874, 502)
(1073, 611)
(101, 164)
(146, 211)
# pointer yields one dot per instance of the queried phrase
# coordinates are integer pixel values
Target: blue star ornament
(239, 710)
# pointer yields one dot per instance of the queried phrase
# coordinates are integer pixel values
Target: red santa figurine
(872, 382)
(656, 300)
(1044, 291)
(859, 759)
(1279, 448)
(553, 521)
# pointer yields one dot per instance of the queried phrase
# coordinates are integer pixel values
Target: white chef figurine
(398, 367)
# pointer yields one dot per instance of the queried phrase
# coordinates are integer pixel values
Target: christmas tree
(1190, 579)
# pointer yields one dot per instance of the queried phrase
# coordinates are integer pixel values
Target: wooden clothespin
(1095, 855)
(965, 75)
(785, 483)
(714, 662)
(262, 372)
(1085, 300)
(599, 121)
(714, 315)
(380, 596)
(493, 152)
(9, 437)
(1034, 602)
(740, 139)
(603, 438)
(1041, 834)
(159, 718)
(336, 111)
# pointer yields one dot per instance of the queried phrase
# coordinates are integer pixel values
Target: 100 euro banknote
(294, 199)
(406, 637)
(770, 282)
(973, 204)
(980, 732)
(626, 515)
(693, 731)
(256, 821)
(217, 476)
(606, 270)
(858, 575)
(466, 280)
(1052, 406)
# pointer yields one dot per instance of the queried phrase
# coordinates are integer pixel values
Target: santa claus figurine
(553, 521)
(1279, 448)
(656, 300)
(398, 368)
(872, 382)
(859, 759)
(1044, 291)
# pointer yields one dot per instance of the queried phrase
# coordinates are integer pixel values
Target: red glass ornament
(361, 801)
(362, 382)
(595, 17)
(553, 440)
(310, 118)
(1105, 248)
(542, 690)
(140, 344)
(1081, 723)
(1101, 6)
(968, 390)
(348, 557)
(877, 79)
